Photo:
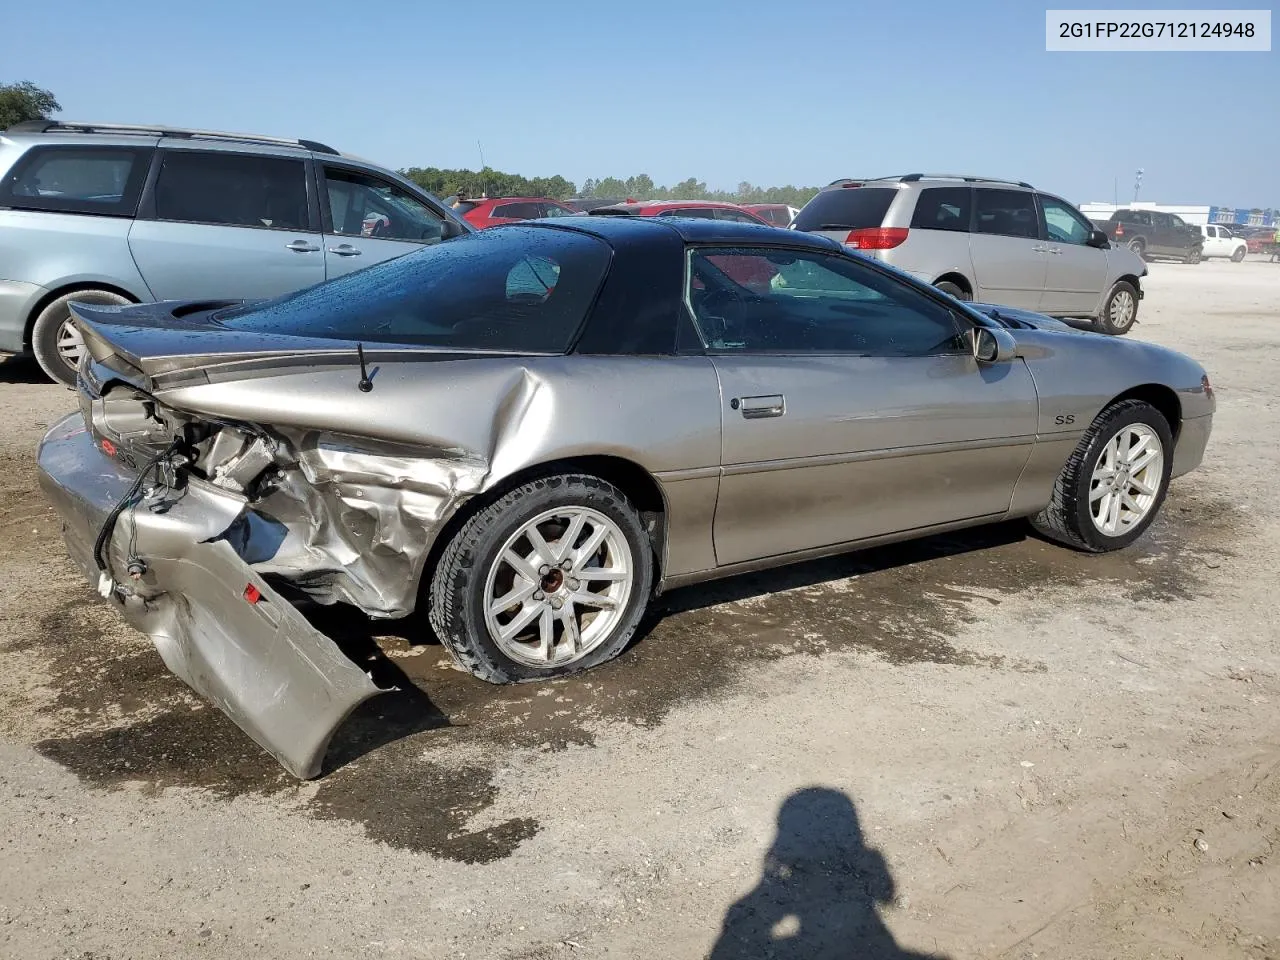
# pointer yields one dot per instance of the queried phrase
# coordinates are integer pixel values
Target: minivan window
(232, 189)
(1006, 213)
(846, 208)
(943, 208)
(1062, 223)
(364, 206)
(67, 179)
(520, 289)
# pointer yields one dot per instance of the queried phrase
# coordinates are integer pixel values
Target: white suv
(977, 238)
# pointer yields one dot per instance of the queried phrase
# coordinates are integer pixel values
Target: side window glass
(102, 180)
(756, 300)
(1006, 213)
(1062, 223)
(942, 208)
(364, 206)
(232, 189)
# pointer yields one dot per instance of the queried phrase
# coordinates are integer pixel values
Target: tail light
(876, 238)
(1119, 229)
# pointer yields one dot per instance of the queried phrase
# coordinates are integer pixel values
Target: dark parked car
(1151, 233)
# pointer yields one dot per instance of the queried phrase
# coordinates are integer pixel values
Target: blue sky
(798, 92)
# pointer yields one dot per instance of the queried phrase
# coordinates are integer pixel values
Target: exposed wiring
(109, 524)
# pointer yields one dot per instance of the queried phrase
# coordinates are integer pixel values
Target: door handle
(1041, 249)
(301, 246)
(1055, 249)
(758, 408)
(345, 250)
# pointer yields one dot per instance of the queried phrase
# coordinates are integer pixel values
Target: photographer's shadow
(818, 893)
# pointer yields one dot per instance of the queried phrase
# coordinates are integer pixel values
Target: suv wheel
(1239, 254)
(1194, 255)
(56, 342)
(1120, 311)
(1138, 247)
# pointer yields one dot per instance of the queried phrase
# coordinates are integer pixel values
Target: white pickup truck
(1219, 241)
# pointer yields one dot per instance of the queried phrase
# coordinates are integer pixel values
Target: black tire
(1139, 247)
(457, 589)
(47, 331)
(1119, 325)
(1068, 518)
(1194, 255)
(954, 289)
(1238, 255)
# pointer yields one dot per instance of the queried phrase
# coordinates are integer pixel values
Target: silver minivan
(113, 214)
(977, 238)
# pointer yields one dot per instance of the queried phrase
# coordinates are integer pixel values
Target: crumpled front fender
(217, 624)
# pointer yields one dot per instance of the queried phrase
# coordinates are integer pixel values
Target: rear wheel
(954, 289)
(56, 342)
(548, 580)
(1120, 311)
(1115, 482)
(1139, 247)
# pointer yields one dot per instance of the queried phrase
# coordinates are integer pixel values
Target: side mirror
(991, 345)
(1098, 239)
(450, 229)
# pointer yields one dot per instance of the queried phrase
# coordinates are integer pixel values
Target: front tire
(1113, 486)
(1119, 310)
(56, 342)
(548, 580)
(1194, 255)
(1238, 255)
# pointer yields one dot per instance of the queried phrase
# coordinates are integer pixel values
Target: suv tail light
(876, 238)
(1119, 229)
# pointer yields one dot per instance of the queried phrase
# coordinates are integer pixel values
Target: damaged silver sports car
(531, 430)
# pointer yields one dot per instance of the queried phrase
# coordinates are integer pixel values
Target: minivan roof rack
(156, 130)
(913, 177)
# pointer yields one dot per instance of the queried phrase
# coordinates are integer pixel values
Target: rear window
(517, 290)
(70, 179)
(847, 208)
(1006, 213)
(943, 208)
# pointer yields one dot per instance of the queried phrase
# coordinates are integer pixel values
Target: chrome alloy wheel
(1126, 479)
(70, 344)
(1121, 310)
(559, 586)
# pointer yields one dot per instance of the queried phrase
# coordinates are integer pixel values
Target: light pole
(1137, 184)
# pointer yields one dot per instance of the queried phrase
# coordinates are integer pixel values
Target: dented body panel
(279, 679)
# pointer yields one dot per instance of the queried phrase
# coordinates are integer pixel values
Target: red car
(704, 209)
(779, 214)
(491, 211)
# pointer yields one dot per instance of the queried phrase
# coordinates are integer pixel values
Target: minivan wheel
(1238, 255)
(954, 289)
(56, 342)
(1120, 311)
(548, 580)
(1115, 482)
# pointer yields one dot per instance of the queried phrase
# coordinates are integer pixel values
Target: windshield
(518, 289)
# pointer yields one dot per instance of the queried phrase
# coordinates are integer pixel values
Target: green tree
(25, 101)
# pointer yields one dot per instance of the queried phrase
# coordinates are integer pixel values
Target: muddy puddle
(416, 766)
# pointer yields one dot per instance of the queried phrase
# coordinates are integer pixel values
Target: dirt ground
(980, 745)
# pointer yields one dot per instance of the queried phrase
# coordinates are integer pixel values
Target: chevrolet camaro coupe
(528, 432)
